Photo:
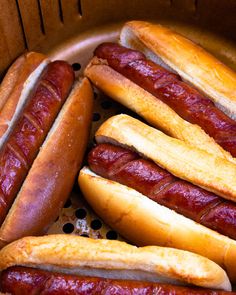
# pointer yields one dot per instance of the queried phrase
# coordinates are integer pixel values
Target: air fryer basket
(71, 29)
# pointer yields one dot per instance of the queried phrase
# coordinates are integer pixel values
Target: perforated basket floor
(77, 217)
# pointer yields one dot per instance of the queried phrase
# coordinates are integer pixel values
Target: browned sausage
(31, 129)
(128, 168)
(189, 103)
(22, 280)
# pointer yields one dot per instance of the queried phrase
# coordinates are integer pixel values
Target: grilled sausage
(24, 280)
(128, 168)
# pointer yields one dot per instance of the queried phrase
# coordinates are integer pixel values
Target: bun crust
(153, 110)
(16, 87)
(51, 177)
(10, 79)
(70, 252)
(189, 60)
(197, 166)
(144, 222)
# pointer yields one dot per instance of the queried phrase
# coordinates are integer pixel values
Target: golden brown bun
(145, 222)
(153, 110)
(51, 177)
(197, 166)
(10, 79)
(15, 88)
(189, 60)
(71, 254)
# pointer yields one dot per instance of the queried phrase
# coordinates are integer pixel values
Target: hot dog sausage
(31, 129)
(189, 103)
(23, 280)
(128, 168)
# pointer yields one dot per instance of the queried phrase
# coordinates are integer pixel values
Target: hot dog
(124, 74)
(78, 265)
(129, 212)
(128, 168)
(189, 60)
(168, 87)
(23, 204)
(31, 129)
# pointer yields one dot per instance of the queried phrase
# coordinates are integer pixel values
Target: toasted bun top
(18, 73)
(16, 87)
(191, 61)
(10, 79)
(70, 252)
(197, 166)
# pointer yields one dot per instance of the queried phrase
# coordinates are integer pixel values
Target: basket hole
(76, 66)
(107, 104)
(96, 224)
(80, 213)
(84, 235)
(96, 117)
(68, 228)
(111, 235)
(76, 188)
(68, 203)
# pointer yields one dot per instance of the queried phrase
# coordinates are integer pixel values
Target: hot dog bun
(16, 87)
(78, 255)
(10, 79)
(144, 222)
(43, 146)
(18, 71)
(199, 167)
(153, 110)
(132, 213)
(53, 172)
(188, 59)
